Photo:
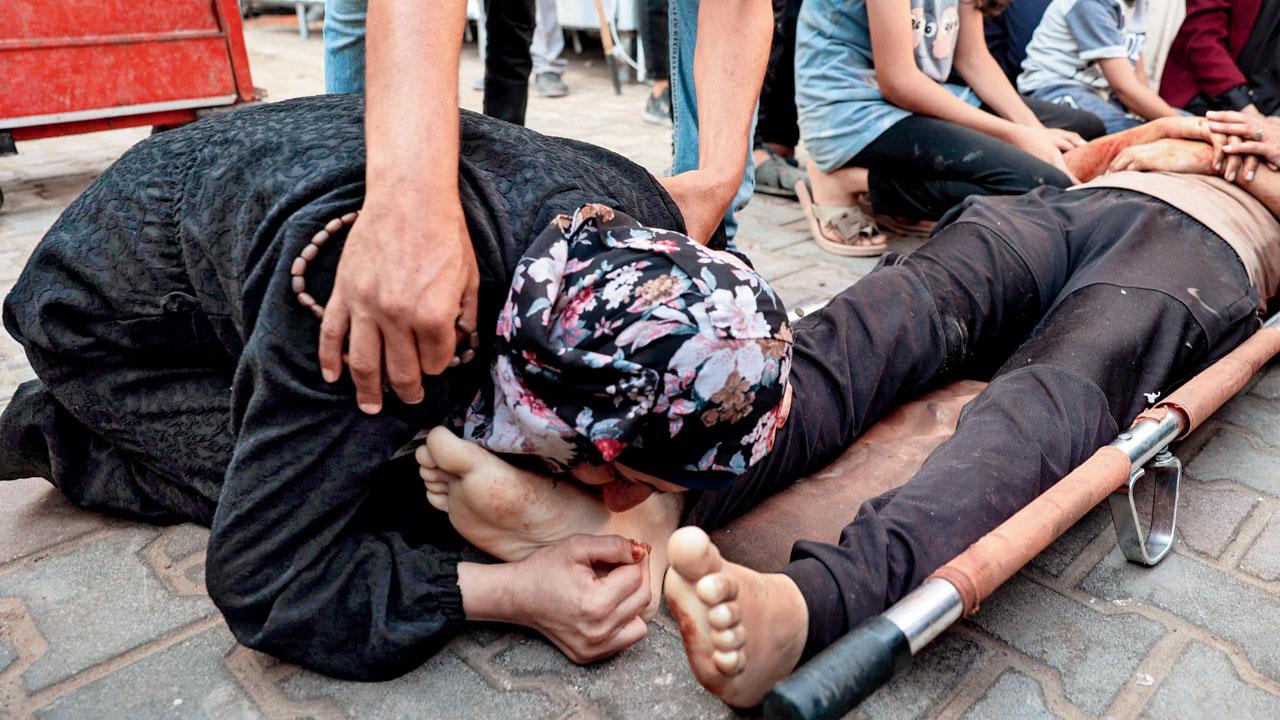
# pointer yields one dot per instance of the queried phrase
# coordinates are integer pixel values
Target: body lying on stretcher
(1073, 305)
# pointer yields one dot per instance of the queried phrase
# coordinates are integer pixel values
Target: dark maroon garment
(1202, 59)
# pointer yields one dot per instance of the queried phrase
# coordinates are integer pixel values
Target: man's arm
(728, 69)
(1094, 158)
(408, 272)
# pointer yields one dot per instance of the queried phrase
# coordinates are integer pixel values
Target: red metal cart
(75, 66)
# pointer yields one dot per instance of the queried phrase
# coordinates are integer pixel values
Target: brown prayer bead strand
(298, 283)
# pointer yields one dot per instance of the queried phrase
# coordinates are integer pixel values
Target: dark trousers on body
(653, 37)
(922, 167)
(1074, 304)
(507, 63)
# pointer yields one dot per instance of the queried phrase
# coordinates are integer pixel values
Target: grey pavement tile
(1269, 386)
(757, 237)
(930, 677)
(1258, 415)
(186, 539)
(649, 680)
(1203, 684)
(1230, 456)
(1094, 653)
(187, 680)
(444, 687)
(856, 267)
(1263, 558)
(36, 516)
(1055, 558)
(1013, 695)
(1208, 519)
(769, 210)
(1201, 595)
(102, 587)
(816, 282)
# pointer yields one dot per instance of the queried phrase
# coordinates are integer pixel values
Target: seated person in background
(886, 134)
(1077, 304)
(1009, 32)
(1088, 54)
(1226, 56)
(170, 316)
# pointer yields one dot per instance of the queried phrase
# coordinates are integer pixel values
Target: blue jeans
(1111, 113)
(683, 30)
(344, 45)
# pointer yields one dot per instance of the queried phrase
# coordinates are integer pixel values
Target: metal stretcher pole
(847, 672)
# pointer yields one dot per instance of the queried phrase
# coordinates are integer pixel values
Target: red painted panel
(29, 19)
(175, 117)
(67, 79)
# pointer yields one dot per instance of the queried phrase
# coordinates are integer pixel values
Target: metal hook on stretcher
(1165, 472)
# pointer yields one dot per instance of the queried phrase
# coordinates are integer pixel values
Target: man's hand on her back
(407, 275)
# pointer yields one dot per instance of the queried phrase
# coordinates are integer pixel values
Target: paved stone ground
(101, 618)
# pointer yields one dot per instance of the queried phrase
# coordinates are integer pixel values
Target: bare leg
(743, 630)
(839, 188)
(509, 513)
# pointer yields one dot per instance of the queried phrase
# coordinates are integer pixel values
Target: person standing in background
(546, 51)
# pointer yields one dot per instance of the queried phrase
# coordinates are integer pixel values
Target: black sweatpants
(1075, 304)
(507, 63)
(921, 167)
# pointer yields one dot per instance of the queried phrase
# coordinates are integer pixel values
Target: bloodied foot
(743, 630)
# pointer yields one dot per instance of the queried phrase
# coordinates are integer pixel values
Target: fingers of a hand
(403, 371)
(364, 360)
(621, 582)
(608, 549)
(1249, 168)
(1232, 168)
(333, 333)
(633, 632)
(1231, 128)
(635, 602)
(437, 340)
(1218, 141)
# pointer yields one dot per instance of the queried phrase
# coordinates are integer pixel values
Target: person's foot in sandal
(776, 175)
(841, 230)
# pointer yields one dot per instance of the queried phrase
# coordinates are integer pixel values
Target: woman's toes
(731, 639)
(724, 616)
(453, 454)
(716, 588)
(730, 663)
(423, 456)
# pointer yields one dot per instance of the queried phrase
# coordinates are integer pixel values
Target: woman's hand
(1065, 139)
(1252, 138)
(1044, 144)
(585, 594)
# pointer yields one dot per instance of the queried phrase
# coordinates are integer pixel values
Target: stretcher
(837, 679)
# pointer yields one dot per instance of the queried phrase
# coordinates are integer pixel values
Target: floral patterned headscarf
(621, 342)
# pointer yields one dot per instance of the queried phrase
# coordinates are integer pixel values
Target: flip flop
(843, 231)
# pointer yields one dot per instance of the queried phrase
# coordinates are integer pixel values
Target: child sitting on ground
(1087, 54)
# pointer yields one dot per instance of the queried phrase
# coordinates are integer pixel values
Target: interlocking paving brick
(817, 282)
(1263, 558)
(36, 516)
(649, 680)
(1014, 695)
(187, 680)
(1208, 519)
(1093, 652)
(1201, 595)
(931, 676)
(186, 539)
(816, 256)
(1203, 684)
(1064, 550)
(102, 586)
(1256, 414)
(443, 687)
(8, 653)
(769, 237)
(1230, 456)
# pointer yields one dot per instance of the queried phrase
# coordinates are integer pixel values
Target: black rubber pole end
(843, 675)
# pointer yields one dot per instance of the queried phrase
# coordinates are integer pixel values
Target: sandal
(778, 176)
(900, 227)
(844, 231)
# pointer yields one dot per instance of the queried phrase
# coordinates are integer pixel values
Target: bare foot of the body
(743, 630)
(509, 513)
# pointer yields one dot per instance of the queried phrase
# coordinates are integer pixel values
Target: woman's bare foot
(510, 513)
(743, 630)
